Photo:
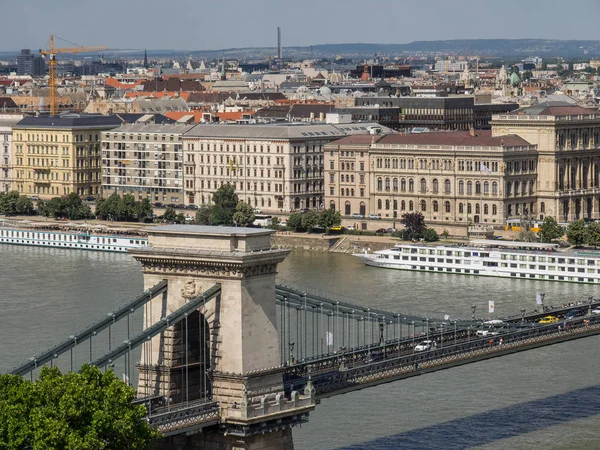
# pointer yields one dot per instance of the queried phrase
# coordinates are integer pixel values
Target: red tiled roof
(460, 138)
(176, 115)
(223, 116)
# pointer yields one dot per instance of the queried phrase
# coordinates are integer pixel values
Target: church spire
(145, 58)
(223, 73)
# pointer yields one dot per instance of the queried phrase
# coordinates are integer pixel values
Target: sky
(217, 24)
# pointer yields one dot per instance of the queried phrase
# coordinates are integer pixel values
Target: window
(508, 188)
(469, 187)
(423, 205)
(447, 207)
(469, 211)
(460, 208)
(461, 187)
(435, 206)
(411, 185)
(494, 188)
(387, 184)
(411, 206)
(485, 209)
(542, 208)
(403, 205)
(403, 184)
(379, 184)
(387, 205)
(379, 204)
(395, 185)
(435, 185)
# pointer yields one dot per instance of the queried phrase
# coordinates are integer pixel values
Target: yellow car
(549, 319)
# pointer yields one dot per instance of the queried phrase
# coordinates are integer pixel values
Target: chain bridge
(222, 356)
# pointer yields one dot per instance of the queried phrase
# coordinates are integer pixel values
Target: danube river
(546, 398)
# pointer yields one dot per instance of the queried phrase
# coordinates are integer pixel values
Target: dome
(325, 91)
(336, 78)
(515, 81)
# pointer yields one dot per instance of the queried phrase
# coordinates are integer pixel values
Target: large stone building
(7, 121)
(145, 160)
(271, 167)
(57, 155)
(568, 144)
(450, 177)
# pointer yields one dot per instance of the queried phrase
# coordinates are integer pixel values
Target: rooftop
(71, 121)
(283, 131)
(358, 139)
(482, 138)
(554, 109)
(167, 128)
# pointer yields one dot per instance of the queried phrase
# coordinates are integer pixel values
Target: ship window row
(60, 237)
(543, 259)
(555, 277)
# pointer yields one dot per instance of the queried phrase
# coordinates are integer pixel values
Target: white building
(6, 150)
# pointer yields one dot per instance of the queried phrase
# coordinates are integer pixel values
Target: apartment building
(145, 160)
(567, 138)
(272, 167)
(57, 155)
(7, 121)
(450, 177)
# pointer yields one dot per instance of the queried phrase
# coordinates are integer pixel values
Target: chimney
(321, 117)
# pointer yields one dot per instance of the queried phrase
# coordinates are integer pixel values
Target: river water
(545, 398)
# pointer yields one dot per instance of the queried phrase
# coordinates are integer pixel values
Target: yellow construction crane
(52, 51)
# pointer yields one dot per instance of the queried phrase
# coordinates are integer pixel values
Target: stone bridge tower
(229, 351)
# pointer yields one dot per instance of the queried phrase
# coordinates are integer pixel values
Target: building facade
(30, 64)
(454, 177)
(57, 155)
(271, 167)
(7, 121)
(145, 160)
(567, 138)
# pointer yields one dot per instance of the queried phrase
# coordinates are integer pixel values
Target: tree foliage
(11, 203)
(430, 235)
(550, 230)
(330, 218)
(310, 220)
(170, 215)
(414, 225)
(124, 208)
(244, 214)
(576, 233)
(225, 201)
(86, 410)
(204, 215)
(295, 222)
(69, 207)
(527, 236)
(592, 234)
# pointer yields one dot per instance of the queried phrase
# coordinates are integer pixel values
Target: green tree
(244, 214)
(445, 233)
(592, 234)
(143, 210)
(225, 201)
(275, 223)
(86, 410)
(310, 220)
(526, 236)
(12, 203)
(109, 208)
(430, 235)
(170, 215)
(550, 230)
(204, 215)
(75, 208)
(295, 222)
(576, 233)
(330, 218)
(414, 224)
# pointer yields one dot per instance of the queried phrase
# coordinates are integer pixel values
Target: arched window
(411, 185)
(403, 205)
(347, 209)
(461, 208)
(436, 185)
(486, 187)
(423, 206)
(461, 187)
(343, 166)
(423, 185)
(477, 187)
(494, 188)
(543, 208)
(435, 206)
(347, 177)
(516, 188)
(411, 206)
(387, 205)
(469, 187)
(517, 209)
(447, 207)
(379, 204)
(531, 187)
(524, 187)
(486, 209)
(395, 205)
(347, 192)
(332, 205)
(508, 188)
(395, 185)
(379, 184)
(469, 210)
(494, 210)
(447, 186)
(403, 184)
(387, 184)
(510, 210)
(477, 208)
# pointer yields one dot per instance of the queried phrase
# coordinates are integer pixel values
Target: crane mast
(52, 52)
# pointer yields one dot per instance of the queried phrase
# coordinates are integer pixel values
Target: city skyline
(198, 27)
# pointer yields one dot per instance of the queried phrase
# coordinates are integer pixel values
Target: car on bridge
(596, 310)
(424, 346)
(549, 319)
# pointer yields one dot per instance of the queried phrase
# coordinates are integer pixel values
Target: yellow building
(57, 155)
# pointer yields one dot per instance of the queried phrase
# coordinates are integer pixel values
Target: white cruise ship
(492, 258)
(82, 240)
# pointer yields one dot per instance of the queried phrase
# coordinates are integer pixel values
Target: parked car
(90, 198)
(574, 313)
(549, 319)
(357, 216)
(35, 198)
(381, 230)
(391, 230)
(257, 211)
(283, 223)
(374, 216)
(424, 346)
(596, 310)
(157, 205)
(192, 206)
(351, 228)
